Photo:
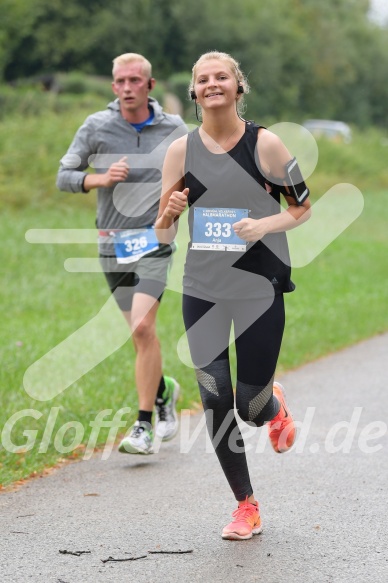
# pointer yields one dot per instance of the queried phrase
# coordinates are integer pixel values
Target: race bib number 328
(213, 231)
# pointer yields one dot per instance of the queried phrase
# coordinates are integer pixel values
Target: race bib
(212, 229)
(132, 244)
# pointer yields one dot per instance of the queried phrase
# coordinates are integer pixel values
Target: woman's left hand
(251, 229)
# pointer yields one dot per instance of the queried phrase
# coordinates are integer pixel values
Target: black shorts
(148, 275)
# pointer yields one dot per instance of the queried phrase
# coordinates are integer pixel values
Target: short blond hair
(232, 64)
(127, 58)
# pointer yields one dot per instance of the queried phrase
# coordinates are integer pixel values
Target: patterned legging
(258, 330)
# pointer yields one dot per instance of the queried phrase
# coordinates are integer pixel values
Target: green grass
(363, 162)
(341, 296)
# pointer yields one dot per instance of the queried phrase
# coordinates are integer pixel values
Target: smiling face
(215, 84)
(130, 84)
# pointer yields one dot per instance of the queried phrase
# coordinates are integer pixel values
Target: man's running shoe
(139, 440)
(281, 429)
(166, 418)
(246, 522)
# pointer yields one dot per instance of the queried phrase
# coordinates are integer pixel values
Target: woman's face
(215, 84)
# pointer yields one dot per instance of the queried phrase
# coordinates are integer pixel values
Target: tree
(17, 23)
(303, 58)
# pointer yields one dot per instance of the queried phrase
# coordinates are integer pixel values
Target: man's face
(130, 84)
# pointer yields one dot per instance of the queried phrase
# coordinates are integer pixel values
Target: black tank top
(225, 181)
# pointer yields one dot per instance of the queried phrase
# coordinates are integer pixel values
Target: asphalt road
(323, 504)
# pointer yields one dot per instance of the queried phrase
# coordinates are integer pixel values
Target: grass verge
(341, 296)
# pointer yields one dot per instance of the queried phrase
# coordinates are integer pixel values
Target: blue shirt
(139, 126)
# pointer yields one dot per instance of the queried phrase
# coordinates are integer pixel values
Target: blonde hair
(127, 58)
(234, 67)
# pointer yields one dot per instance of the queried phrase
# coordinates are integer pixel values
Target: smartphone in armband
(295, 182)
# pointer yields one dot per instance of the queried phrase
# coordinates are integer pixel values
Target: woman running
(231, 173)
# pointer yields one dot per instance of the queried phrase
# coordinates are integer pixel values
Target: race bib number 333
(213, 231)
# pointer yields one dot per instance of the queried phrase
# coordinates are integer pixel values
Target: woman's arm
(174, 194)
(274, 156)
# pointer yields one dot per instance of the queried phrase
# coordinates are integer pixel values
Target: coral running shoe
(281, 429)
(246, 522)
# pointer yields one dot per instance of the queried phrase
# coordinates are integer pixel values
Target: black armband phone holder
(294, 180)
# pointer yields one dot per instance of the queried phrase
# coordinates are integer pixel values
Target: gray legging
(258, 327)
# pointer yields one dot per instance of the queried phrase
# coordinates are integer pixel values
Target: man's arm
(117, 172)
(72, 175)
(73, 165)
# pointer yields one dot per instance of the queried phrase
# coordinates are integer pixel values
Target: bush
(78, 83)
(33, 101)
(59, 93)
(178, 84)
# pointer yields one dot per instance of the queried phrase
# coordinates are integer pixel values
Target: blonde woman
(231, 173)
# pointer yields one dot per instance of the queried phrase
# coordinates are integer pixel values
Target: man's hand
(117, 172)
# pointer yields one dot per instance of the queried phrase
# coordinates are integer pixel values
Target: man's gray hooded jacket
(103, 139)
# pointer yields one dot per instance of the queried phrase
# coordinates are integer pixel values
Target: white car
(334, 130)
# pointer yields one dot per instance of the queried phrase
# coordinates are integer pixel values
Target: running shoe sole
(128, 448)
(235, 536)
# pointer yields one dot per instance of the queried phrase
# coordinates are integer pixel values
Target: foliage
(178, 84)
(304, 58)
(40, 128)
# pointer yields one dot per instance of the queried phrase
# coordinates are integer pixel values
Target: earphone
(240, 89)
(149, 84)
